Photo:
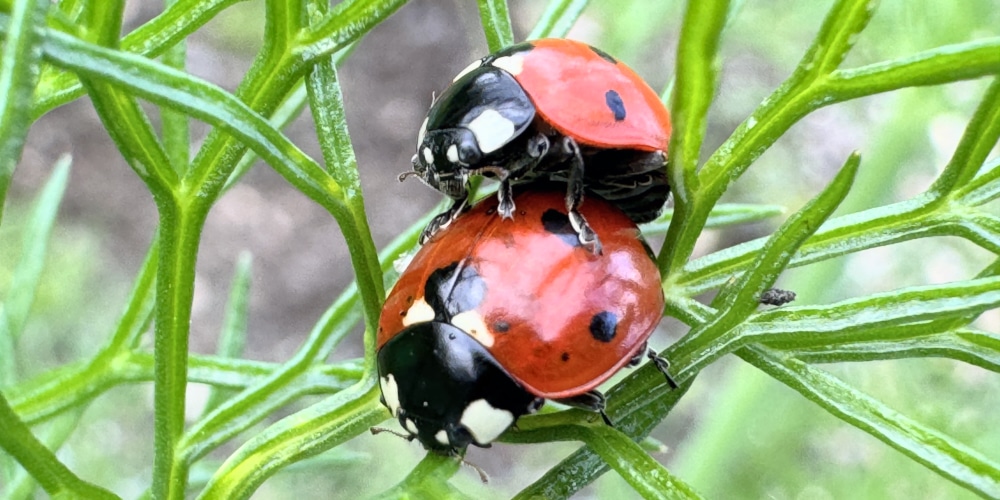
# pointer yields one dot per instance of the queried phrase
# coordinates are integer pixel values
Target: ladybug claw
(588, 238)
(663, 366)
(506, 196)
(443, 219)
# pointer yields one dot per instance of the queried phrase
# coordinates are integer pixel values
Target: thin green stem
(495, 17)
(695, 86)
(57, 480)
(558, 18)
(176, 128)
(180, 230)
(19, 70)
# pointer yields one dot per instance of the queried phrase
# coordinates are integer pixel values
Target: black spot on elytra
(604, 55)
(501, 326)
(558, 224)
(615, 104)
(451, 290)
(564, 357)
(603, 326)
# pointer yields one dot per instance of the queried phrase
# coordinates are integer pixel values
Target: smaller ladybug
(492, 318)
(550, 109)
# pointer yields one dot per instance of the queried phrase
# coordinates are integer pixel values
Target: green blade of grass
(938, 452)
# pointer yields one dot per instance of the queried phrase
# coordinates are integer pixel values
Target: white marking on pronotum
(442, 437)
(419, 312)
(485, 422)
(390, 392)
(492, 130)
(452, 153)
(428, 156)
(468, 69)
(472, 322)
(411, 426)
(512, 64)
(423, 131)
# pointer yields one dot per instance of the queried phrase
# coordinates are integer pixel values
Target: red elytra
(568, 82)
(544, 291)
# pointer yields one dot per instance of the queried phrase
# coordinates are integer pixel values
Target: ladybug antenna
(379, 430)
(402, 177)
(483, 476)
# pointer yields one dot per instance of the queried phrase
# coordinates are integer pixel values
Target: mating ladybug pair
(493, 316)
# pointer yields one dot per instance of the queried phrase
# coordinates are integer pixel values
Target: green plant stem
(295, 437)
(924, 445)
(176, 128)
(495, 18)
(694, 88)
(180, 230)
(19, 70)
(57, 480)
(327, 104)
(558, 18)
(151, 39)
(429, 479)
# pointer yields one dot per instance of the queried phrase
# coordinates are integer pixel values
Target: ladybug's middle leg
(574, 197)
(536, 147)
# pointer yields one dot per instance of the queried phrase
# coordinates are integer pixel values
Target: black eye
(468, 154)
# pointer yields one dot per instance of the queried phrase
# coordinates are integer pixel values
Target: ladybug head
(447, 390)
(442, 160)
(468, 127)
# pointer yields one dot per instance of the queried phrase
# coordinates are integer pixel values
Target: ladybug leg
(590, 401)
(379, 430)
(441, 220)
(506, 196)
(574, 198)
(639, 354)
(662, 365)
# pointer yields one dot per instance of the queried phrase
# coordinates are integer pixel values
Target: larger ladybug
(491, 318)
(554, 109)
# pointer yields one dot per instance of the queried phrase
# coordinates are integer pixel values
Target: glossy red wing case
(559, 319)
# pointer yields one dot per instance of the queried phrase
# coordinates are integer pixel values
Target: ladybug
(548, 109)
(492, 318)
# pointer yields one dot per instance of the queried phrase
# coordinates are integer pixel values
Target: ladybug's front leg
(443, 219)
(574, 197)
